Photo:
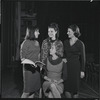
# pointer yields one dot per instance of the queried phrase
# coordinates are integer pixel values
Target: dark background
(85, 14)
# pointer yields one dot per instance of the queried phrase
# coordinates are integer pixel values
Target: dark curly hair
(55, 27)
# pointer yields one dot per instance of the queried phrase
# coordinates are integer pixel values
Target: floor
(12, 84)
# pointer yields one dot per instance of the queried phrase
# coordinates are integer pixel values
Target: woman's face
(70, 33)
(53, 50)
(36, 33)
(52, 33)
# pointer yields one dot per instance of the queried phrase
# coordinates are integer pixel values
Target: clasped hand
(54, 81)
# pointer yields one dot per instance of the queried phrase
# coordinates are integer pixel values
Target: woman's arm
(60, 81)
(46, 78)
(23, 50)
(83, 58)
(44, 51)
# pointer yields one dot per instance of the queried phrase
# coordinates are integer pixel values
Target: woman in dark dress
(74, 49)
(30, 49)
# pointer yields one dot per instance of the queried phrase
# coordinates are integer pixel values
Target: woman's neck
(74, 39)
(53, 38)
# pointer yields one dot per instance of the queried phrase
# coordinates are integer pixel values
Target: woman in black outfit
(74, 49)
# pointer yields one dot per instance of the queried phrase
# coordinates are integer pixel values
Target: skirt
(46, 87)
(31, 79)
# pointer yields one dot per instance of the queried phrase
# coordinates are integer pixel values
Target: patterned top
(46, 45)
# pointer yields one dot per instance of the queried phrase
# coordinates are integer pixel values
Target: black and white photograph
(50, 49)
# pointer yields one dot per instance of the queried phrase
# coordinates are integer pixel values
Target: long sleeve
(23, 49)
(83, 58)
(44, 50)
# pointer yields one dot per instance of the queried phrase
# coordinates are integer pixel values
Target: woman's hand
(46, 78)
(55, 81)
(22, 59)
(82, 74)
(64, 60)
(58, 82)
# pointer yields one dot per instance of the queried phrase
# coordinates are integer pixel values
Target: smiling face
(53, 50)
(36, 33)
(52, 33)
(70, 33)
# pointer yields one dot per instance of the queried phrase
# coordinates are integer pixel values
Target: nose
(38, 33)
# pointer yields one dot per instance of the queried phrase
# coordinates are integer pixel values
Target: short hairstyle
(55, 27)
(59, 48)
(75, 29)
(30, 33)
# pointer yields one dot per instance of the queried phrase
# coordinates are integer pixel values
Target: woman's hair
(30, 32)
(75, 29)
(55, 27)
(59, 48)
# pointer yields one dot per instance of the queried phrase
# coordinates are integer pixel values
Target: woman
(56, 72)
(30, 49)
(74, 48)
(53, 33)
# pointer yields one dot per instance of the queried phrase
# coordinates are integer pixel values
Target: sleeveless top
(54, 71)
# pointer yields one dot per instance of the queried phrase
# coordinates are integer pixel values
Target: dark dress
(75, 56)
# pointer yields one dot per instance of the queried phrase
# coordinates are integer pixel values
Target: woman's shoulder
(80, 42)
(45, 41)
(59, 41)
(25, 42)
(35, 43)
